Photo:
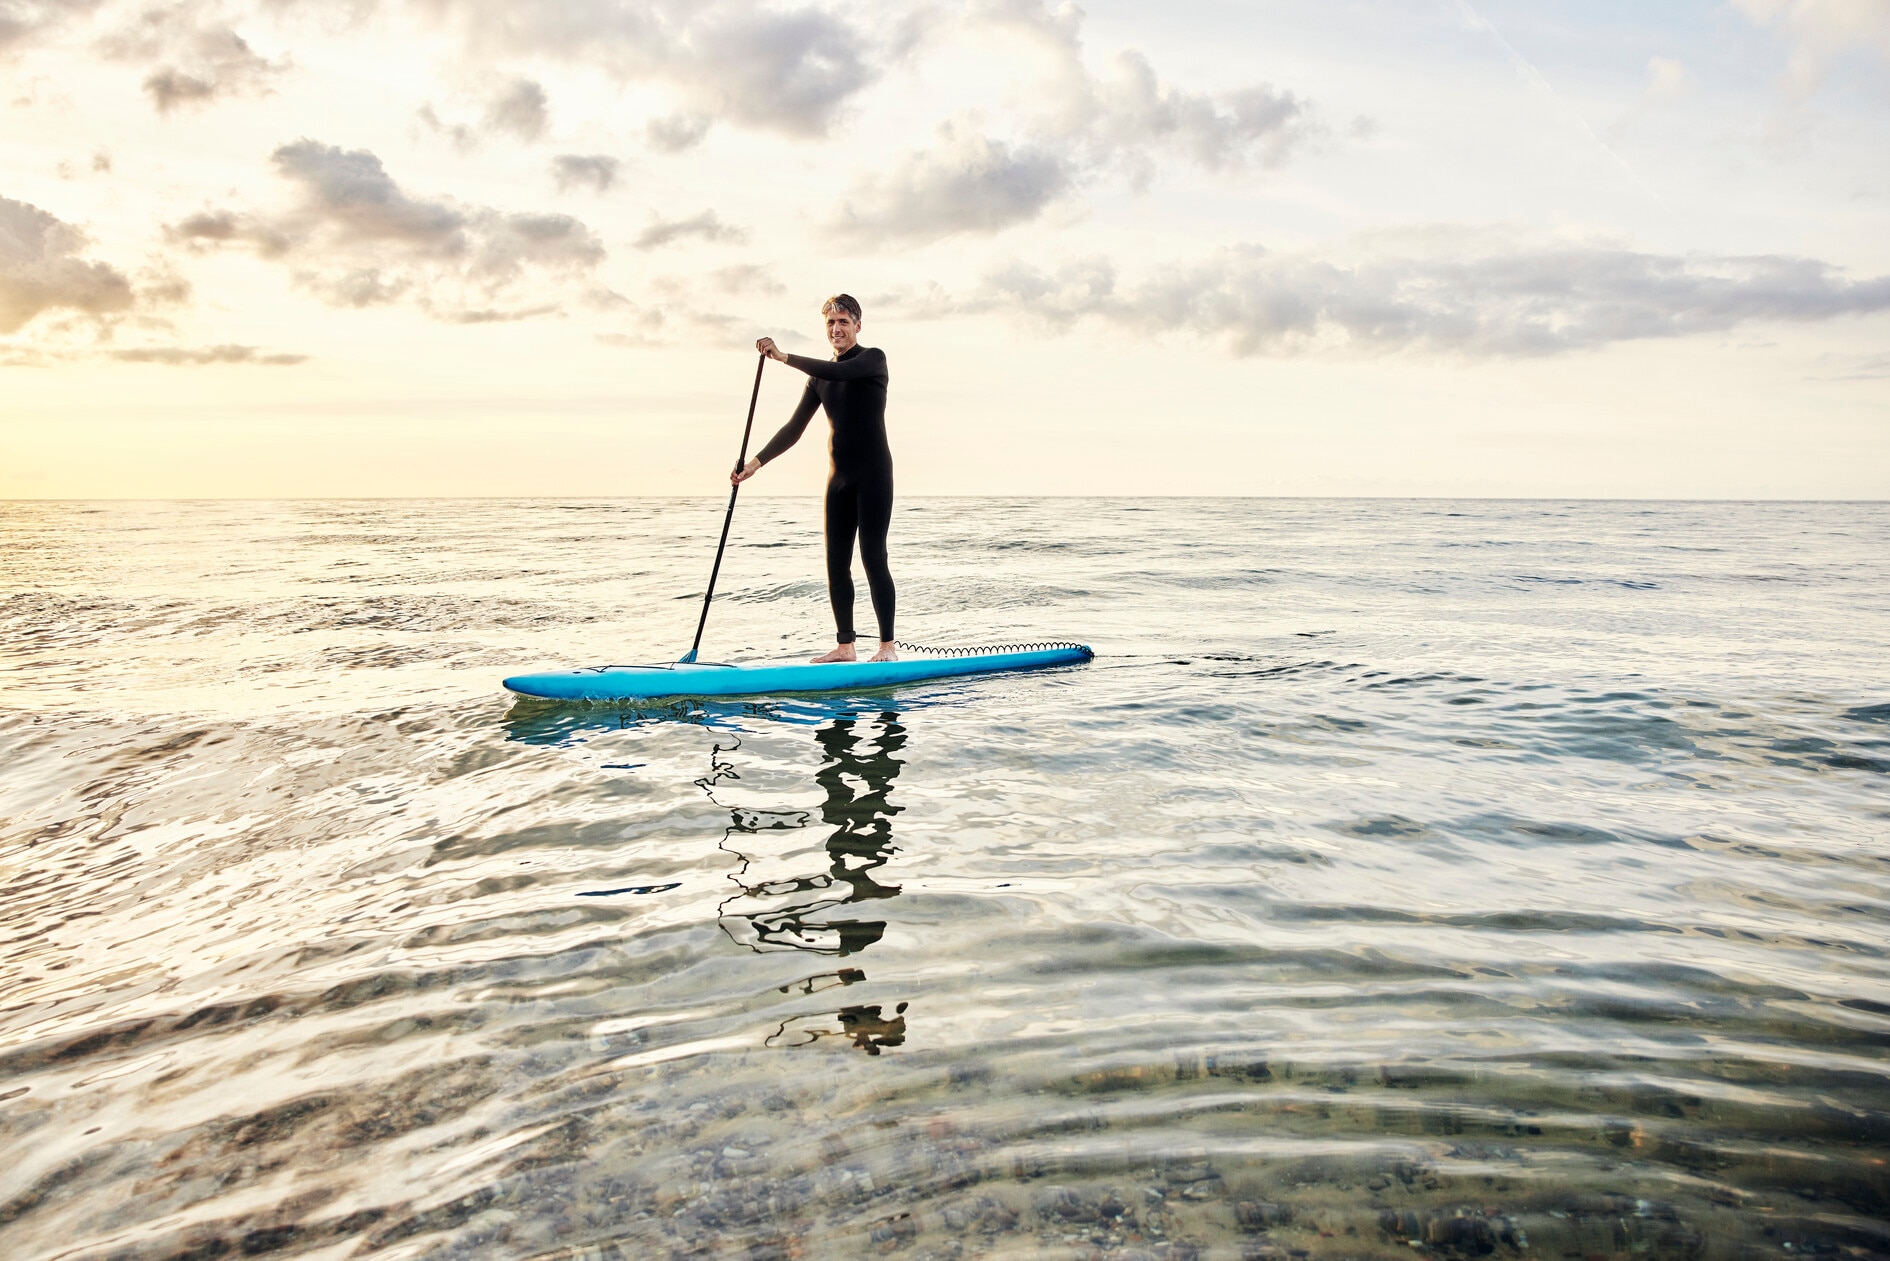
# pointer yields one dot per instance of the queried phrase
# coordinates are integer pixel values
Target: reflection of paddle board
(629, 683)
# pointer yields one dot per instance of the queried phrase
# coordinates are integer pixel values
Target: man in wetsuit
(852, 388)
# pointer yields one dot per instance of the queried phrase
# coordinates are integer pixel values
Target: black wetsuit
(852, 388)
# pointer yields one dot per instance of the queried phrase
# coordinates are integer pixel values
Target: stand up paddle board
(633, 683)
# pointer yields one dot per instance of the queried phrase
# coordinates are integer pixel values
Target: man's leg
(843, 522)
(875, 517)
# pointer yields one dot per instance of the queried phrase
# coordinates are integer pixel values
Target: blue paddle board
(633, 683)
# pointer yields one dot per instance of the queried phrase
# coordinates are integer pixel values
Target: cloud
(521, 109)
(41, 269)
(707, 226)
(354, 237)
(745, 278)
(789, 70)
(462, 136)
(204, 61)
(351, 193)
(1823, 31)
(1667, 78)
(595, 171)
(676, 132)
(1081, 127)
(179, 356)
(1865, 368)
(1129, 116)
(495, 315)
(23, 21)
(968, 184)
(1455, 293)
(208, 228)
(518, 108)
(1132, 118)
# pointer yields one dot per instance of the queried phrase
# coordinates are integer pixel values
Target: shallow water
(1481, 879)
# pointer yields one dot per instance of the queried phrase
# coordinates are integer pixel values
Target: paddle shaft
(733, 491)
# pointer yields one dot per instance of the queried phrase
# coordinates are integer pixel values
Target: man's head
(843, 321)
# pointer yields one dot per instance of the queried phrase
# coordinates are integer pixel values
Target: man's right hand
(767, 347)
(745, 472)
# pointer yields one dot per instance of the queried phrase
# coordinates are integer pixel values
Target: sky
(1206, 247)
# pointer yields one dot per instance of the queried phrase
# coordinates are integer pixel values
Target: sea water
(1470, 879)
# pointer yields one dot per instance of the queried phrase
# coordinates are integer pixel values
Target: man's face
(843, 331)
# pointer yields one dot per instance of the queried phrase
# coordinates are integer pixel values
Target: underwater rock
(1255, 1216)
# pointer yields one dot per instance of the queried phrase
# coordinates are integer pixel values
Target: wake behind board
(634, 683)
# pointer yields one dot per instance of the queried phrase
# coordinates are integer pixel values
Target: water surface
(1484, 879)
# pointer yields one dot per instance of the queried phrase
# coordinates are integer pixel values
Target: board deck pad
(650, 682)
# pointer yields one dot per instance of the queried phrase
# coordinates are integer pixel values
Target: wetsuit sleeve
(791, 432)
(861, 367)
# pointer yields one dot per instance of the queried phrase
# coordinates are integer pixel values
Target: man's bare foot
(886, 652)
(841, 652)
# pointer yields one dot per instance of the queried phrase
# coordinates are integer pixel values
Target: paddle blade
(687, 659)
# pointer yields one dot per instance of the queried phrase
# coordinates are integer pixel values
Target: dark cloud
(575, 170)
(22, 21)
(676, 132)
(355, 238)
(355, 287)
(100, 164)
(350, 192)
(202, 60)
(192, 356)
(521, 109)
(41, 269)
(209, 228)
(1473, 300)
(967, 184)
(462, 136)
(495, 315)
(706, 226)
(758, 64)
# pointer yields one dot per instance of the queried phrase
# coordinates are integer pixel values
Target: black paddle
(733, 491)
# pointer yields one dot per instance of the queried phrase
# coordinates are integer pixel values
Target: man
(852, 388)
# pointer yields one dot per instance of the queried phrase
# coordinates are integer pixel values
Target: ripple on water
(1362, 897)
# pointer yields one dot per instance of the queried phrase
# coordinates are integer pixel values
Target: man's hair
(842, 302)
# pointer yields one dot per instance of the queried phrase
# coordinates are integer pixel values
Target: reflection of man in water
(857, 774)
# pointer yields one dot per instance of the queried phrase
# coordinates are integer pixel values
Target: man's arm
(861, 367)
(791, 432)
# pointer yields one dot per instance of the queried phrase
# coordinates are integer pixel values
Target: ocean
(1476, 879)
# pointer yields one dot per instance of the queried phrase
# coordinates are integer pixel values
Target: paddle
(733, 491)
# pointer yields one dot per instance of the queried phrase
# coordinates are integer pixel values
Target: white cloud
(1822, 31)
(1451, 290)
(1667, 79)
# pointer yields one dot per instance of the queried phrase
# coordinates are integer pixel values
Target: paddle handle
(740, 460)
